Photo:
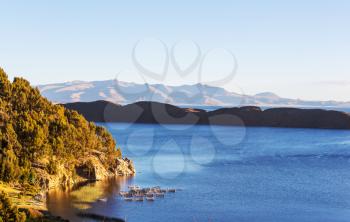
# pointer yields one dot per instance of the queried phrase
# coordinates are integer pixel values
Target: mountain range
(120, 92)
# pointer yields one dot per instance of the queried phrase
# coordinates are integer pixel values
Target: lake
(225, 174)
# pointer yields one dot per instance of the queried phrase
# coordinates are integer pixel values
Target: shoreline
(35, 205)
(32, 200)
(34, 208)
(78, 201)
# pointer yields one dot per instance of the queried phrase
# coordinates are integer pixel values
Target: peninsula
(43, 146)
(161, 113)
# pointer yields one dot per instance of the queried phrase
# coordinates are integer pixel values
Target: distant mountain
(195, 95)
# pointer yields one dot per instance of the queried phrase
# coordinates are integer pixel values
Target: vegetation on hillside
(35, 132)
(8, 212)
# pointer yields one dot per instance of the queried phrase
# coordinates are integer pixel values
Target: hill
(161, 113)
(45, 145)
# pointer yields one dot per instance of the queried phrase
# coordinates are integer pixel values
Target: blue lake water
(231, 174)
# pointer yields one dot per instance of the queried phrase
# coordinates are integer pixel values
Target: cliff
(88, 168)
(160, 113)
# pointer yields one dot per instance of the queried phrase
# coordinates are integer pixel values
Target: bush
(8, 212)
(52, 167)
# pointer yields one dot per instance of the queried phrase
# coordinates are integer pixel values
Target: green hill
(43, 145)
(39, 140)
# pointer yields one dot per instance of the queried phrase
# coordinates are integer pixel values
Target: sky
(296, 49)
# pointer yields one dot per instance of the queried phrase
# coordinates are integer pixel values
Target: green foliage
(9, 165)
(35, 131)
(52, 167)
(8, 212)
(5, 85)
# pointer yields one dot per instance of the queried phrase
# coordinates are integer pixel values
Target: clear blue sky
(297, 49)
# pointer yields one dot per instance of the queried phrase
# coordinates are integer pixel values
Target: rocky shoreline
(89, 169)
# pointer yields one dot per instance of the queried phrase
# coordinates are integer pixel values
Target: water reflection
(68, 202)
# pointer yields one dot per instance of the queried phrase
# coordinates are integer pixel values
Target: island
(162, 113)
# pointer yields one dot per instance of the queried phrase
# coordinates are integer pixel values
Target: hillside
(160, 113)
(120, 92)
(45, 145)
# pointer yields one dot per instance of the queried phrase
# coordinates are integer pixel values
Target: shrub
(8, 212)
(52, 167)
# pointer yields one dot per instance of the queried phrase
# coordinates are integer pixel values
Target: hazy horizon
(294, 49)
(42, 86)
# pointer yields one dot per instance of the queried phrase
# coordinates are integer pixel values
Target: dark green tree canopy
(32, 129)
(5, 84)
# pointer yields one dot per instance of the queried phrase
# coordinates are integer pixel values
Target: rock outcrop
(125, 167)
(160, 113)
(89, 168)
(93, 169)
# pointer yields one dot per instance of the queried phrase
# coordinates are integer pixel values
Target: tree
(9, 165)
(9, 213)
(5, 84)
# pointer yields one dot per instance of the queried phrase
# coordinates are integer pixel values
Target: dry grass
(19, 199)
